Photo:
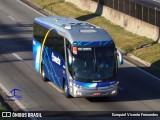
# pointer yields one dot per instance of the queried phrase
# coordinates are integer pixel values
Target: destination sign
(84, 49)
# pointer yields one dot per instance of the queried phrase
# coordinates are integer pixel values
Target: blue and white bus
(78, 57)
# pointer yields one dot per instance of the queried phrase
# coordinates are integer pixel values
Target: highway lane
(17, 41)
(138, 91)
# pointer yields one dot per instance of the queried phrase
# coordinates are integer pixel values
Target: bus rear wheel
(43, 75)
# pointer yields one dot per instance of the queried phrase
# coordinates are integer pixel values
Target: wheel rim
(43, 74)
(65, 89)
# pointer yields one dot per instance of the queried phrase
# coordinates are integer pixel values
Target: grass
(2, 108)
(124, 40)
(150, 54)
(61, 8)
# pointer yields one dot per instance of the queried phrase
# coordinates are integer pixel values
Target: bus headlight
(77, 86)
(113, 92)
(70, 84)
(78, 93)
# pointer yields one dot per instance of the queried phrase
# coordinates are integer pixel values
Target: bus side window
(68, 46)
(39, 32)
(60, 41)
(55, 42)
(49, 41)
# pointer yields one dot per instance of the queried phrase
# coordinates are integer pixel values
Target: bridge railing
(138, 10)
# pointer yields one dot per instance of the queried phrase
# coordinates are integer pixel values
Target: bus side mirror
(120, 56)
(69, 58)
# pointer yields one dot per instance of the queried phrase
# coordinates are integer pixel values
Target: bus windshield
(94, 64)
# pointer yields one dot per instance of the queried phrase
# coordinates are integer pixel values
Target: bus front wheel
(65, 89)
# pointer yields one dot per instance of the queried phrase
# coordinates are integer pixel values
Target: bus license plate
(96, 93)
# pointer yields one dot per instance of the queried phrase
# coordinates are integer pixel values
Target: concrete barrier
(131, 24)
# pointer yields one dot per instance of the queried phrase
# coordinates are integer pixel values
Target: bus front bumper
(94, 92)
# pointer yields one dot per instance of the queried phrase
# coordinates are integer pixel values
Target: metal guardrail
(138, 10)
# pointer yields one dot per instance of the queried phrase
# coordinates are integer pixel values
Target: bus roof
(74, 30)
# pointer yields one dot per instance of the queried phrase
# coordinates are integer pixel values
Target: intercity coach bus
(78, 57)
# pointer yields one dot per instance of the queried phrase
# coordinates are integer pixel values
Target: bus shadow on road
(17, 28)
(15, 38)
(11, 45)
(134, 88)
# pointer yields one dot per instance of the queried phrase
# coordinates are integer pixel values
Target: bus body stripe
(44, 40)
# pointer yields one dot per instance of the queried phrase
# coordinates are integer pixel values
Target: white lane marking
(15, 55)
(30, 8)
(12, 18)
(156, 1)
(59, 90)
(16, 101)
(120, 88)
(149, 74)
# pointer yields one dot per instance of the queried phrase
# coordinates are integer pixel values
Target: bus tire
(43, 75)
(65, 88)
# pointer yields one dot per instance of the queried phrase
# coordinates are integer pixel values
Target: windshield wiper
(95, 61)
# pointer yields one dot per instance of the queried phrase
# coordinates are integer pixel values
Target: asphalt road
(138, 90)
